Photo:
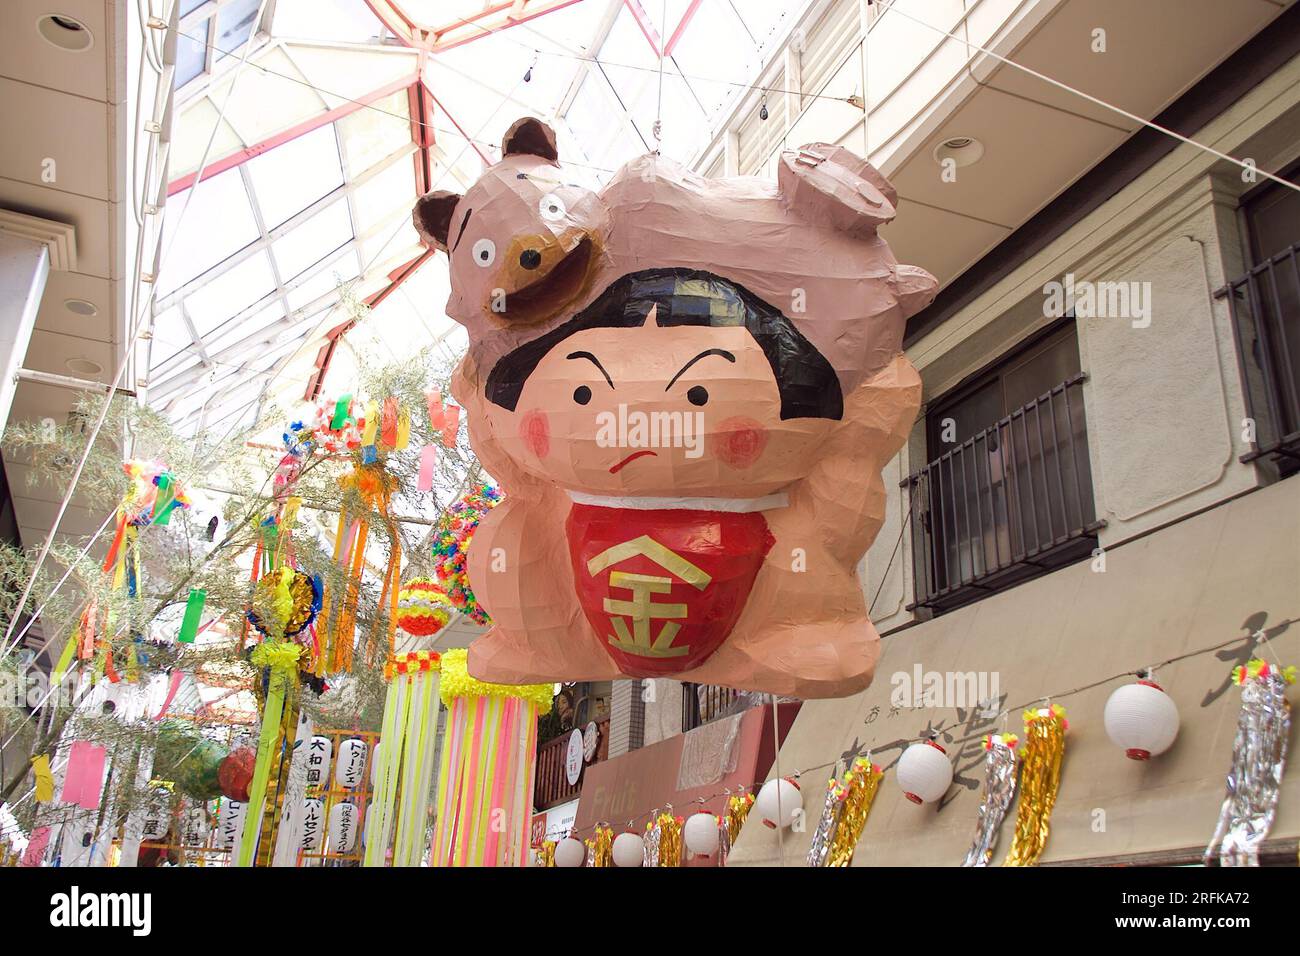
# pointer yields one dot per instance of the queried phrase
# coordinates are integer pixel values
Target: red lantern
(236, 773)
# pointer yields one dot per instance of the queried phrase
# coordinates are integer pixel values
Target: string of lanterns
(1140, 718)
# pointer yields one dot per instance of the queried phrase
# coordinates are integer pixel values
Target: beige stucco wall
(1164, 403)
(1202, 583)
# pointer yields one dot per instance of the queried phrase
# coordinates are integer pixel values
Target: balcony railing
(551, 786)
(1009, 503)
(1265, 309)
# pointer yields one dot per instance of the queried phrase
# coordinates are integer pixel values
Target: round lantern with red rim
(924, 772)
(779, 802)
(1142, 719)
(701, 834)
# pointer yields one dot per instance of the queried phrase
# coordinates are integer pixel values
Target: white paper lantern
(779, 803)
(350, 766)
(701, 833)
(313, 824)
(320, 751)
(924, 772)
(629, 850)
(374, 763)
(1142, 719)
(570, 852)
(343, 828)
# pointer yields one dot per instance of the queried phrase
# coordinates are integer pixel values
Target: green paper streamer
(271, 716)
(340, 412)
(193, 614)
(165, 502)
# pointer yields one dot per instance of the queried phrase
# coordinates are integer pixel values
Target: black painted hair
(807, 383)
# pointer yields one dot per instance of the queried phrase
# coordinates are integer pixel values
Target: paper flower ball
(924, 772)
(451, 545)
(779, 802)
(570, 852)
(629, 850)
(235, 773)
(284, 597)
(422, 607)
(701, 833)
(1142, 719)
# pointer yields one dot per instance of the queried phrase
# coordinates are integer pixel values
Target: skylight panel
(218, 223)
(289, 178)
(313, 240)
(230, 293)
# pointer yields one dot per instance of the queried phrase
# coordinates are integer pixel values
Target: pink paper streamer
(83, 780)
(35, 851)
(505, 747)
(434, 398)
(173, 687)
(428, 459)
(451, 422)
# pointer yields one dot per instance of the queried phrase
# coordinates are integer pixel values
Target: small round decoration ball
(779, 802)
(422, 607)
(924, 772)
(701, 833)
(629, 850)
(235, 773)
(1142, 719)
(570, 852)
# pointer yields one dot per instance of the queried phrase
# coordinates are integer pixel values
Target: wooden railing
(552, 786)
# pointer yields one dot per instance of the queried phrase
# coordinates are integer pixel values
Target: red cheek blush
(739, 441)
(535, 430)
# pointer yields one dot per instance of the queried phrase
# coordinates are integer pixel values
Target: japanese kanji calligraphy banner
(687, 389)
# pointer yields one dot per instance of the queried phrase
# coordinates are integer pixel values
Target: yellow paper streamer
(44, 778)
(1040, 778)
(600, 849)
(670, 840)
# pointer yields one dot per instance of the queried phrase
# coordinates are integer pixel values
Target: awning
(1228, 579)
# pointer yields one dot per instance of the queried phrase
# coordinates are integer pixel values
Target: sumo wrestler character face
(523, 243)
(672, 384)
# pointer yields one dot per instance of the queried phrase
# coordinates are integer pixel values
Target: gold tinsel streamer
(1040, 778)
(670, 840)
(737, 810)
(546, 855)
(600, 849)
(861, 784)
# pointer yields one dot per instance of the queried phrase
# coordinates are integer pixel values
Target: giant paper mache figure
(687, 389)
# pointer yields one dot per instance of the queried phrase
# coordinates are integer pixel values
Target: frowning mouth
(629, 459)
(551, 292)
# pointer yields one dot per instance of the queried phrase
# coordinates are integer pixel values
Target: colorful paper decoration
(83, 778)
(44, 778)
(485, 777)
(451, 547)
(600, 848)
(1258, 762)
(999, 791)
(423, 608)
(404, 762)
(235, 773)
(669, 831)
(193, 615)
(687, 389)
(1040, 779)
(281, 660)
(738, 807)
(285, 602)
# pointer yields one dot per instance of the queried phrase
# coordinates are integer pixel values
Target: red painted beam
(647, 27)
(491, 19)
(681, 26)
(241, 156)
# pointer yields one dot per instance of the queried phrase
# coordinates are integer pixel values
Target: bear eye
(582, 394)
(698, 395)
(484, 252)
(551, 207)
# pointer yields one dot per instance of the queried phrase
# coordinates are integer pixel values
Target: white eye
(484, 252)
(551, 207)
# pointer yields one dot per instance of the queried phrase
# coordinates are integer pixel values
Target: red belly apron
(664, 588)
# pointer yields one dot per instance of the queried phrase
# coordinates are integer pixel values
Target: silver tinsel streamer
(1258, 760)
(821, 841)
(724, 841)
(999, 790)
(651, 841)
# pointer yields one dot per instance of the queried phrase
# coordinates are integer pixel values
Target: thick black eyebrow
(463, 223)
(707, 352)
(594, 361)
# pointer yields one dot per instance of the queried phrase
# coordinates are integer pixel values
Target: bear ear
(432, 217)
(531, 137)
